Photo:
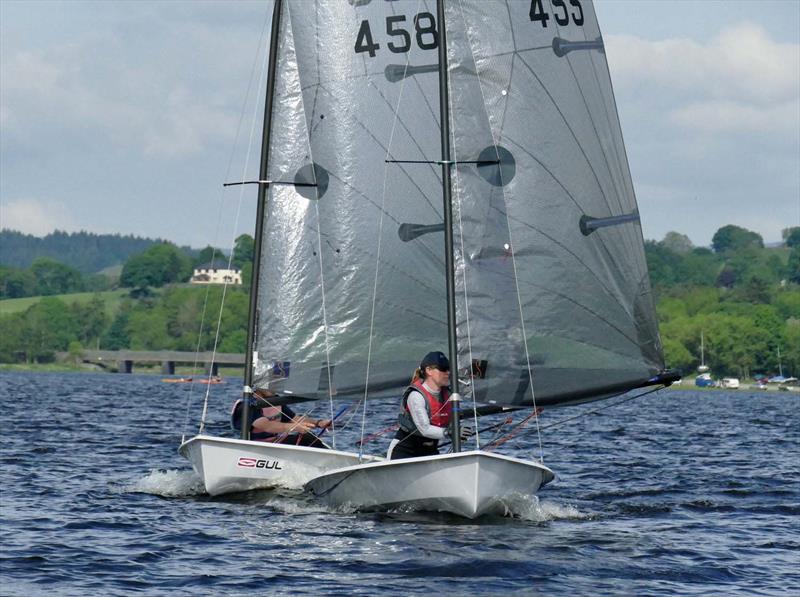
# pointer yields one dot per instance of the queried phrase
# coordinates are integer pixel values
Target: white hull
(468, 484)
(230, 465)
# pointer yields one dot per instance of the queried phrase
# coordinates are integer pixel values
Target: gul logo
(258, 463)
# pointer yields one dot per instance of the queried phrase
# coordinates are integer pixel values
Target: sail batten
(351, 289)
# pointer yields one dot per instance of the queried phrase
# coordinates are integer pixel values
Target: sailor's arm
(311, 423)
(416, 406)
(297, 425)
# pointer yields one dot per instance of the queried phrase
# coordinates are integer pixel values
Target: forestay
(552, 285)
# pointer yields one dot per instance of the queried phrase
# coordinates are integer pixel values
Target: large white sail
(351, 291)
(530, 88)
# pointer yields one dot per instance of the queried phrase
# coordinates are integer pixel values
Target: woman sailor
(425, 410)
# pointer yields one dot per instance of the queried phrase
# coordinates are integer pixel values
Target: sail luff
(266, 136)
(444, 118)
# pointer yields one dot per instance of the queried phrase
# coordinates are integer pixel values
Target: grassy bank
(112, 299)
(46, 367)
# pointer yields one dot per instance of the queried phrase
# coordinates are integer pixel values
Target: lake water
(676, 492)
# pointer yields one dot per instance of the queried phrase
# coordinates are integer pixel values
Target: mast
(252, 318)
(444, 115)
(702, 368)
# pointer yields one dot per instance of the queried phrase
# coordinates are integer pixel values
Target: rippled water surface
(676, 492)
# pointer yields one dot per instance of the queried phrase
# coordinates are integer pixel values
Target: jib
(268, 464)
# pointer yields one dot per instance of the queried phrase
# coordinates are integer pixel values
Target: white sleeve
(416, 406)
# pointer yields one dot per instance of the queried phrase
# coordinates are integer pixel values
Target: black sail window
(311, 181)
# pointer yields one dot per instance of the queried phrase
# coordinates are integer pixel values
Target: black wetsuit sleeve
(287, 414)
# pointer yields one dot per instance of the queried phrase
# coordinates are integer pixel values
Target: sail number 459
(425, 34)
(561, 14)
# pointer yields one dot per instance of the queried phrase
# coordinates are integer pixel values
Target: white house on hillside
(211, 273)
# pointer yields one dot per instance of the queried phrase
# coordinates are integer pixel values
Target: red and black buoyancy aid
(438, 407)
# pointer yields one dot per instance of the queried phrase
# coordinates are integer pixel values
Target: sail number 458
(425, 33)
(427, 37)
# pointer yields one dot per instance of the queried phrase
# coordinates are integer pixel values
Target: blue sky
(122, 117)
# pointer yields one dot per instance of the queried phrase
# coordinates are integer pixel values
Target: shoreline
(155, 371)
(90, 368)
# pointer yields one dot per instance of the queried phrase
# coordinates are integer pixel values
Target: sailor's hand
(301, 426)
(323, 423)
(466, 433)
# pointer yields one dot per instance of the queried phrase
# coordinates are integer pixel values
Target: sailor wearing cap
(425, 410)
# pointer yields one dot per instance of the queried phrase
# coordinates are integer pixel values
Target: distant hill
(85, 251)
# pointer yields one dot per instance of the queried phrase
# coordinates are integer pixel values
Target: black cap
(435, 359)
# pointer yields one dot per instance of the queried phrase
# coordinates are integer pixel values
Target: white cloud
(92, 88)
(740, 61)
(738, 80)
(719, 115)
(36, 217)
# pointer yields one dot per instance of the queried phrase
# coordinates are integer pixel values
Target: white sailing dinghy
(228, 465)
(486, 206)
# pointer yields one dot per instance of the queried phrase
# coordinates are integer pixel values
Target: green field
(112, 299)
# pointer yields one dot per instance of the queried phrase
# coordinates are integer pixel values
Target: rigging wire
(321, 264)
(510, 242)
(460, 211)
(599, 410)
(324, 306)
(228, 169)
(246, 164)
(591, 412)
(378, 251)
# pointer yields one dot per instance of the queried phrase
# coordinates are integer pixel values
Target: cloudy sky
(123, 116)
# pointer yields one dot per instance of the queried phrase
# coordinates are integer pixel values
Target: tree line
(161, 263)
(161, 312)
(84, 251)
(743, 298)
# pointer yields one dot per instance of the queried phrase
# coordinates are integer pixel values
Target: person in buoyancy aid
(425, 410)
(277, 423)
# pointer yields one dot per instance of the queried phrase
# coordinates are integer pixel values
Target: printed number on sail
(425, 34)
(560, 12)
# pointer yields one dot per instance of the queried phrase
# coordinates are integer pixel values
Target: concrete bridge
(123, 360)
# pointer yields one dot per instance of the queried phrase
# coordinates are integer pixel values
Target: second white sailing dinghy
(446, 173)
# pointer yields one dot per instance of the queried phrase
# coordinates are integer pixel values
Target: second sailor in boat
(425, 410)
(278, 424)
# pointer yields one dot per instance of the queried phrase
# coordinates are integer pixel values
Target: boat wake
(523, 507)
(167, 483)
(532, 509)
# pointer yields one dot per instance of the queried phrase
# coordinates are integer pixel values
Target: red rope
(377, 434)
(517, 428)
